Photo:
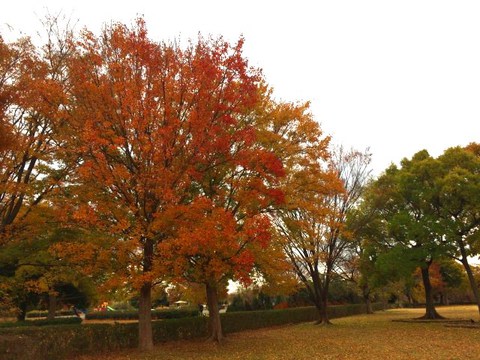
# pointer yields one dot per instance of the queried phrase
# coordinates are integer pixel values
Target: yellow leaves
(36, 286)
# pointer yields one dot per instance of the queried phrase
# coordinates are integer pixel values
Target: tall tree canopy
(30, 95)
(406, 201)
(225, 230)
(427, 210)
(312, 225)
(33, 165)
(458, 187)
(167, 143)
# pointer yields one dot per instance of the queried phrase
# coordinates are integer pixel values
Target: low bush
(43, 322)
(133, 315)
(68, 341)
(41, 313)
(59, 342)
(238, 321)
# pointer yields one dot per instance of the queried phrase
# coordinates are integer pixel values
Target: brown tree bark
(145, 335)
(52, 306)
(318, 292)
(366, 299)
(430, 311)
(22, 313)
(215, 325)
(323, 320)
(318, 306)
(324, 315)
(472, 281)
(468, 269)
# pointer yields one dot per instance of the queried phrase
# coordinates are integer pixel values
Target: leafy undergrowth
(356, 337)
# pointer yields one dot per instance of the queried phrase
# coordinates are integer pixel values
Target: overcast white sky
(396, 76)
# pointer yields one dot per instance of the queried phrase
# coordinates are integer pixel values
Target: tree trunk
(22, 313)
(368, 305)
(409, 298)
(324, 313)
(145, 337)
(324, 308)
(471, 278)
(52, 306)
(430, 312)
(318, 294)
(473, 283)
(215, 325)
(444, 298)
(318, 306)
(366, 298)
(314, 293)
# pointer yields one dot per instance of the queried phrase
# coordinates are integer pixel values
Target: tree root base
(218, 341)
(434, 317)
(323, 323)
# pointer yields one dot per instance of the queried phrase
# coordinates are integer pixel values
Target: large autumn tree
(30, 96)
(153, 123)
(298, 141)
(226, 233)
(33, 164)
(312, 225)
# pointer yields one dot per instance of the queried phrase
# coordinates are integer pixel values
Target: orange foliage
(210, 246)
(170, 159)
(30, 140)
(436, 281)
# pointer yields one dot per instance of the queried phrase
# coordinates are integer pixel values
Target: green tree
(31, 271)
(458, 187)
(407, 204)
(359, 265)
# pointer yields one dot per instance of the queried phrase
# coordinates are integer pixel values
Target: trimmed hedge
(122, 315)
(249, 320)
(43, 313)
(42, 322)
(133, 315)
(62, 342)
(68, 341)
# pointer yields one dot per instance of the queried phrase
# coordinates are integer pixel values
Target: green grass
(356, 337)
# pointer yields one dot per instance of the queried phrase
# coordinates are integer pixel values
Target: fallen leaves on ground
(358, 337)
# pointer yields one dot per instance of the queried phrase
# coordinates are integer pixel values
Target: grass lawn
(357, 337)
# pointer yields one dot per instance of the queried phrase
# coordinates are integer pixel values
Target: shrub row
(248, 320)
(40, 313)
(42, 322)
(68, 341)
(133, 315)
(122, 315)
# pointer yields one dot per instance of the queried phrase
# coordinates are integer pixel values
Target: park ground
(375, 336)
